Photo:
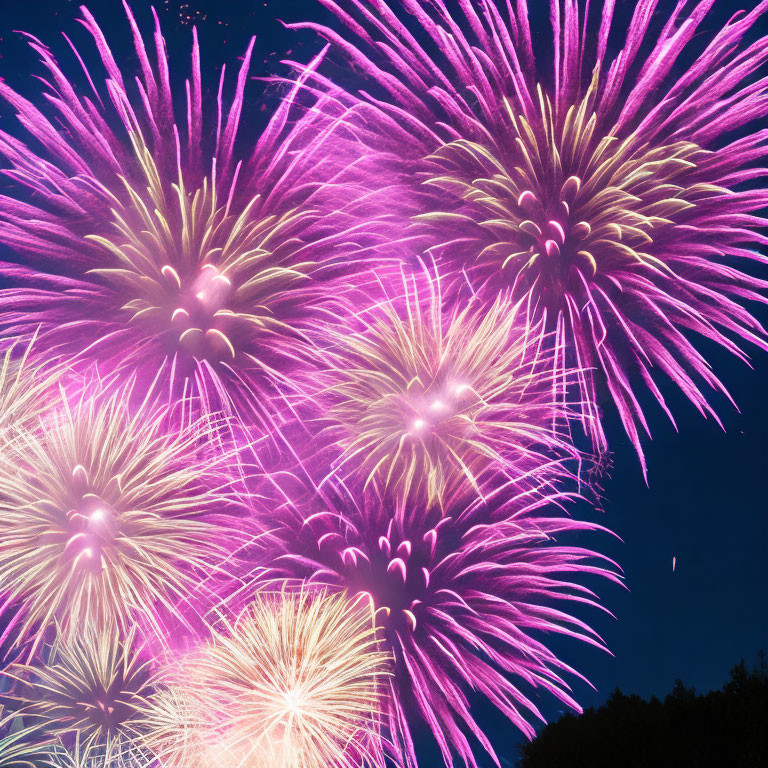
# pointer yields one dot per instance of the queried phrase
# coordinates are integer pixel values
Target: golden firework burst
(294, 682)
(195, 272)
(88, 694)
(104, 512)
(572, 199)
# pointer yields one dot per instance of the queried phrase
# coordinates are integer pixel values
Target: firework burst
(138, 251)
(431, 403)
(294, 682)
(108, 513)
(89, 693)
(464, 598)
(618, 204)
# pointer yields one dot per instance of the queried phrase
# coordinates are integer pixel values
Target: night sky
(705, 505)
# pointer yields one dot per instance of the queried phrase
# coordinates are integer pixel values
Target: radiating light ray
(79, 757)
(26, 388)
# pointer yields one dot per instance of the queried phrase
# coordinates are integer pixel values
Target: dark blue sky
(705, 505)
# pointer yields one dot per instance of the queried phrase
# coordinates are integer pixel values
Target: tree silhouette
(727, 728)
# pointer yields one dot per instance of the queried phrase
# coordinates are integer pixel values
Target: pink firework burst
(465, 599)
(141, 246)
(620, 201)
(431, 399)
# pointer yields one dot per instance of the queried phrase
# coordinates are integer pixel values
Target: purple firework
(619, 201)
(464, 599)
(142, 247)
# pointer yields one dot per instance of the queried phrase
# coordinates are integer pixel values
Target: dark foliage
(719, 729)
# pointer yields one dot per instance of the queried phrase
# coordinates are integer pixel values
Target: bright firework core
(426, 411)
(399, 576)
(442, 402)
(176, 292)
(549, 235)
(92, 524)
(558, 214)
(200, 316)
(293, 682)
(105, 511)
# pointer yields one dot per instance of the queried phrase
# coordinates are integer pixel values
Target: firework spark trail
(110, 513)
(620, 203)
(25, 389)
(142, 249)
(26, 748)
(464, 599)
(79, 757)
(427, 403)
(89, 693)
(293, 681)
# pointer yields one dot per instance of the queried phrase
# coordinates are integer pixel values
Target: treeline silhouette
(727, 728)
